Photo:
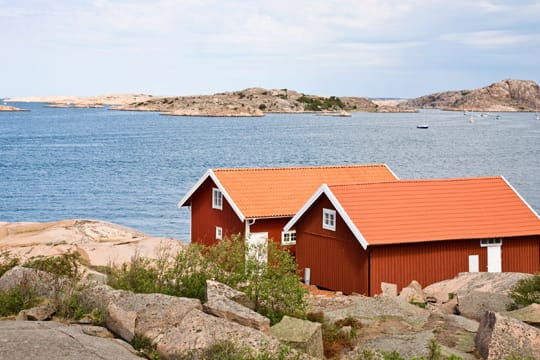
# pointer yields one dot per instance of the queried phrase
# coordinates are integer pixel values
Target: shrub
(526, 291)
(273, 285)
(7, 262)
(66, 265)
(17, 299)
(335, 340)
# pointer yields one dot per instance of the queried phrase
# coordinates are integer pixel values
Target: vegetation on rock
(527, 291)
(321, 103)
(273, 285)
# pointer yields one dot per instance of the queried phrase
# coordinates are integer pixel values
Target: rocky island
(506, 95)
(7, 108)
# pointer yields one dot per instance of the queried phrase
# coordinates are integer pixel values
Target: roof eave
(324, 189)
(210, 174)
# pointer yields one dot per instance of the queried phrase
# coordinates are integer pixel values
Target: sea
(132, 168)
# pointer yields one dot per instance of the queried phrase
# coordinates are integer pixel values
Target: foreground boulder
(473, 304)
(215, 289)
(198, 332)
(147, 315)
(300, 334)
(52, 340)
(41, 283)
(500, 337)
(38, 313)
(413, 293)
(529, 314)
(229, 310)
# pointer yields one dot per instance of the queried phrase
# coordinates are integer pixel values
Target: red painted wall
(204, 218)
(338, 262)
(336, 259)
(274, 227)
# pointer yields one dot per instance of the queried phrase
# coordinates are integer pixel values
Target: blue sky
(330, 47)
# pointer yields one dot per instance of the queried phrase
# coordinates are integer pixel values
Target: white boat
(422, 126)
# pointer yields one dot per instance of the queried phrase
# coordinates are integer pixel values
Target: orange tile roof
(280, 192)
(426, 210)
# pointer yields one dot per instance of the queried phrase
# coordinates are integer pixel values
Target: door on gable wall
(257, 246)
(494, 260)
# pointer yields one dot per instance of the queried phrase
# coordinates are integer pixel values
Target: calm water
(131, 168)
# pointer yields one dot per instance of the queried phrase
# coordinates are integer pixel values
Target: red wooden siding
(274, 227)
(521, 254)
(426, 263)
(204, 218)
(336, 259)
(338, 262)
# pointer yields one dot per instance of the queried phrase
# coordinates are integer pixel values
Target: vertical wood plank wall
(204, 218)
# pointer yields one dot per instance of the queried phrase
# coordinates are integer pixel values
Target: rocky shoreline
(504, 96)
(6, 108)
(465, 317)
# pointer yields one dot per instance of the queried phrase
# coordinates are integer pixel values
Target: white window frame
(329, 219)
(217, 199)
(490, 242)
(286, 237)
(219, 233)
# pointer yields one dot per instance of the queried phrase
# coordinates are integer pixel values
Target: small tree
(527, 291)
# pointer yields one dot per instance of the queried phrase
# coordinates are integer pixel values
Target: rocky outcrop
(229, 310)
(500, 337)
(215, 289)
(495, 283)
(473, 304)
(529, 314)
(250, 102)
(98, 243)
(53, 340)
(413, 293)
(300, 334)
(506, 95)
(84, 101)
(38, 313)
(6, 108)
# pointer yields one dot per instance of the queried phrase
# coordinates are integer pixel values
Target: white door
(494, 258)
(474, 264)
(257, 246)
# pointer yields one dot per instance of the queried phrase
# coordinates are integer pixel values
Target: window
(219, 233)
(288, 238)
(217, 199)
(491, 242)
(329, 219)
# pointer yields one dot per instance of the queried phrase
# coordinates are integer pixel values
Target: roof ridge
(401, 181)
(300, 167)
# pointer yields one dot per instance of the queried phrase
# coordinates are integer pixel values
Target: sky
(371, 48)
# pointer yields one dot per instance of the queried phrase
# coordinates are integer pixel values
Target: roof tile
(428, 210)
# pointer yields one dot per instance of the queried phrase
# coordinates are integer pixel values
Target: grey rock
(368, 309)
(147, 315)
(413, 293)
(500, 337)
(217, 289)
(413, 344)
(300, 334)
(473, 304)
(98, 331)
(51, 340)
(38, 313)
(42, 283)
(389, 289)
(529, 314)
(199, 331)
(495, 283)
(229, 310)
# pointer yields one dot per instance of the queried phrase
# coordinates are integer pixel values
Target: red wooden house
(258, 202)
(353, 237)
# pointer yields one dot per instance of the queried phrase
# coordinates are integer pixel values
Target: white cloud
(492, 39)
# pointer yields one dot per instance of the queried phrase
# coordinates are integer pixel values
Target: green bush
(66, 265)
(7, 262)
(527, 291)
(16, 299)
(273, 285)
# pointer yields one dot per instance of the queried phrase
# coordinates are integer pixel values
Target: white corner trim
(210, 173)
(324, 189)
(391, 171)
(521, 197)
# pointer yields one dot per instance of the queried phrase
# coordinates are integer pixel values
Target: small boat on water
(422, 126)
